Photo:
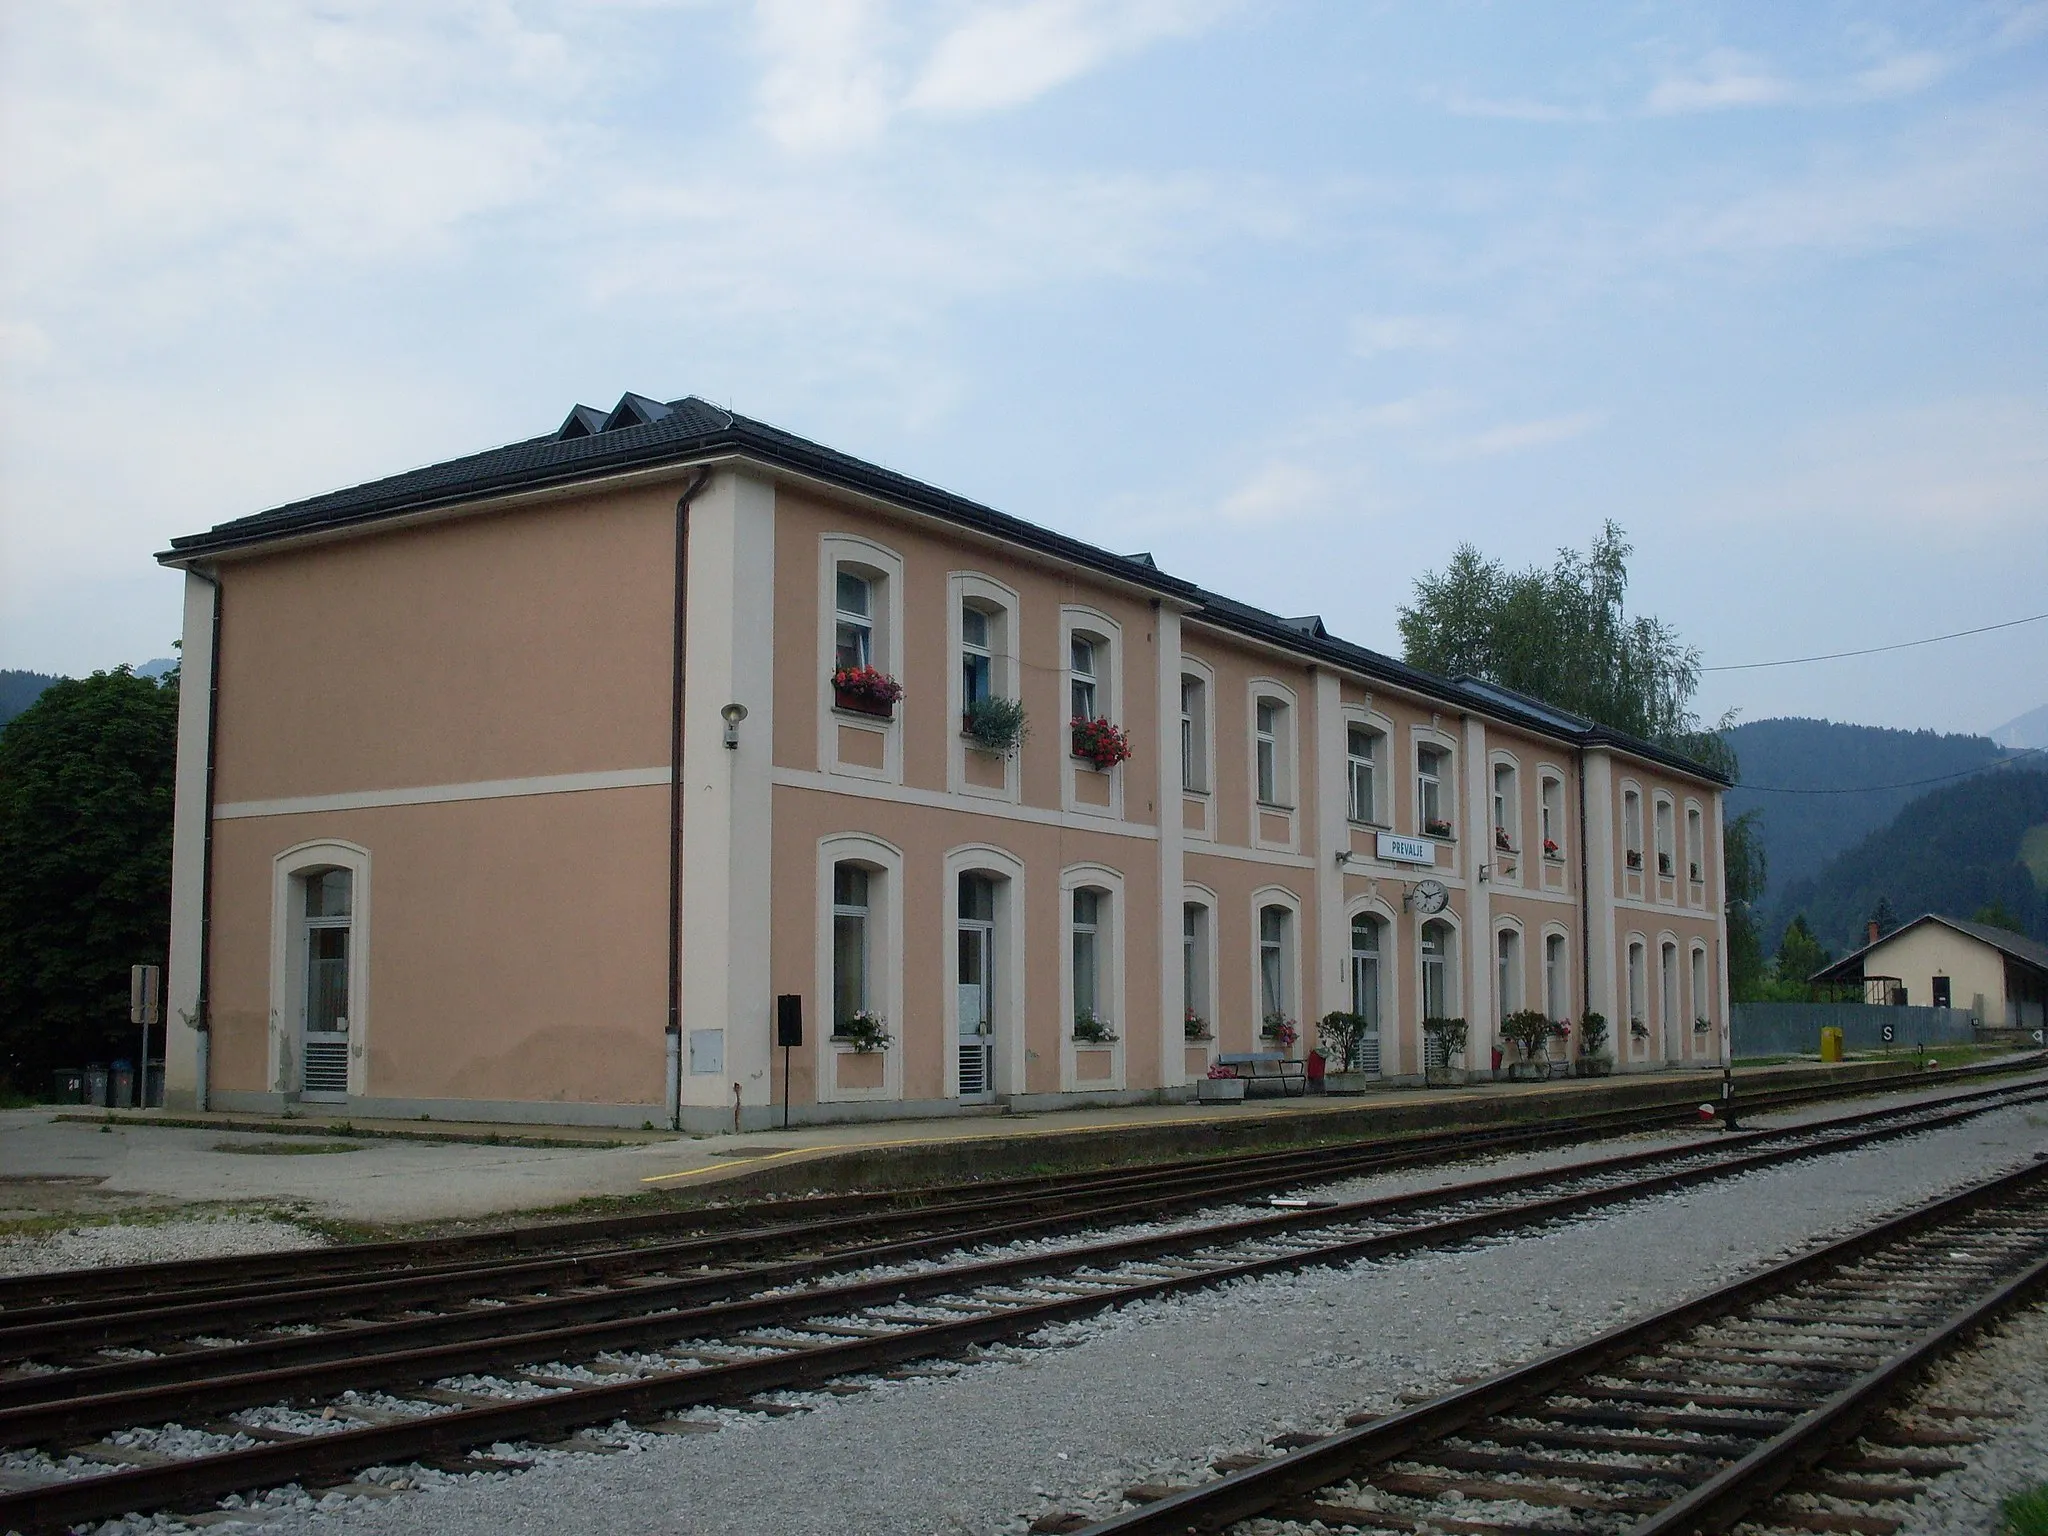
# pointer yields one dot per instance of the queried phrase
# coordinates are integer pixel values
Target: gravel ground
(1155, 1392)
(2008, 1374)
(151, 1242)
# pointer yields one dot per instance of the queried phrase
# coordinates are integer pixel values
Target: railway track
(763, 1226)
(401, 1378)
(1768, 1402)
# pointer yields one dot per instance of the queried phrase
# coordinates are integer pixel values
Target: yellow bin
(1831, 1043)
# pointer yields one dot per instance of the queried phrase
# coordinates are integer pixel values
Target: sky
(1298, 297)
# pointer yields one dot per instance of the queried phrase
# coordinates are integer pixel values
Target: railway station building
(523, 786)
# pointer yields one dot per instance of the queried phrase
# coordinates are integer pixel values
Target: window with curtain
(855, 637)
(850, 885)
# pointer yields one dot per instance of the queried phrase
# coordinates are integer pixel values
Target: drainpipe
(675, 801)
(203, 1024)
(1585, 910)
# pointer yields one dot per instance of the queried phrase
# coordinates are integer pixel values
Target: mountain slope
(2028, 730)
(18, 690)
(1801, 832)
(1951, 851)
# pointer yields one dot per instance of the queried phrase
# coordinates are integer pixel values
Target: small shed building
(1944, 962)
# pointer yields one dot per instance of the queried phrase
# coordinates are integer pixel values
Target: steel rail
(354, 1341)
(249, 1272)
(1714, 1505)
(349, 1450)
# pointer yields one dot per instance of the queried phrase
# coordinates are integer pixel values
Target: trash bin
(1831, 1043)
(67, 1085)
(122, 1081)
(96, 1085)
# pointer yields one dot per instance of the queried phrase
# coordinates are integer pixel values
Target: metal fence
(1793, 1029)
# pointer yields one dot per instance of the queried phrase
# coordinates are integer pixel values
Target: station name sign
(1406, 850)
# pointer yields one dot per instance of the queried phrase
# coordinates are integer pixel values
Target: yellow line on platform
(730, 1162)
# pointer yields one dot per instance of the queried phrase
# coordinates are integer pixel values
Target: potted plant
(1638, 1030)
(864, 1031)
(1221, 1086)
(1530, 1029)
(1703, 1025)
(1279, 1029)
(1693, 870)
(1500, 840)
(1437, 826)
(1551, 850)
(995, 725)
(1449, 1037)
(865, 691)
(1635, 858)
(1663, 863)
(1196, 1028)
(1099, 742)
(1338, 1034)
(1593, 1035)
(1092, 1030)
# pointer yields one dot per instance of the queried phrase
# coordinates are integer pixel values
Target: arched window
(1194, 732)
(1632, 829)
(1695, 847)
(1666, 856)
(1507, 808)
(978, 644)
(1194, 968)
(1439, 968)
(1084, 684)
(1273, 751)
(854, 638)
(1365, 990)
(1557, 979)
(1638, 991)
(1701, 1007)
(1668, 998)
(1431, 766)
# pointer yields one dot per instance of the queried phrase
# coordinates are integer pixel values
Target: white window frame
(1664, 824)
(1209, 960)
(1636, 965)
(1557, 975)
(884, 863)
(1510, 968)
(1632, 829)
(1377, 769)
(1113, 969)
(1005, 608)
(1285, 739)
(1551, 818)
(1389, 974)
(1700, 987)
(1669, 995)
(1108, 635)
(1201, 672)
(1007, 1067)
(287, 960)
(1695, 852)
(884, 566)
(1290, 959)
(1446, 780)
(1453, 962)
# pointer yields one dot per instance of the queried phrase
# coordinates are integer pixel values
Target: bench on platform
(1289, 1072)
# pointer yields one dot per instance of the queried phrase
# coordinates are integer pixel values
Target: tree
(1886, 919)
(1994, 915)
(1800, 954)
(86, 778)
(1562, 635)
(1745, 873)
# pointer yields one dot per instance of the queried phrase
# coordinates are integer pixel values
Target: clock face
(1430, 896)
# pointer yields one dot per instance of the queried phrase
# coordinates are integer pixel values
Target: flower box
(1099, 742)
(1219, 1090)
(1635, 858)
(1348, 1083)
(1502, 841)
(1531, 1071)
(1663, 863)
(1436, 826)
(863, 704)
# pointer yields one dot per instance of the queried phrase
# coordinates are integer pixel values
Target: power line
(1903, 645)
(1871, 789)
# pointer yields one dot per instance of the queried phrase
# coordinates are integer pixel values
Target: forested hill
(1801, 832)
(1954, 851)
(18, 690)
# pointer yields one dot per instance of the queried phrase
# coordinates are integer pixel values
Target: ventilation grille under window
(326, 1066)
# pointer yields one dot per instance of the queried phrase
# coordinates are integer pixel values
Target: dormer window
(854, 644)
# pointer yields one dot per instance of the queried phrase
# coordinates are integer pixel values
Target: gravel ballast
(151, 1242)
(1155, 1392)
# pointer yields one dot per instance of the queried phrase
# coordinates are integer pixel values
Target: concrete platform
(379, 1174)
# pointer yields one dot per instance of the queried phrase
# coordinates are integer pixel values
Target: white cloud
(1275, 493)
(1722, 80)
(1003, 56)
(1516, 436)
(1373, 334)
(824, 84)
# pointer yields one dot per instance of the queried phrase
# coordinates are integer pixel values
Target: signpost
(789, 1034)
(143, 982)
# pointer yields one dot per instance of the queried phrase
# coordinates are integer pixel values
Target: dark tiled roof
(2030, 952)
(641, 432)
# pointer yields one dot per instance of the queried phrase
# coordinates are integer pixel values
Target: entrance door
(329, 902)
(977, 947)
(1365, 994)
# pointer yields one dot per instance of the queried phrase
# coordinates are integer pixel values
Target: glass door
(325, 1048)
(977, 956)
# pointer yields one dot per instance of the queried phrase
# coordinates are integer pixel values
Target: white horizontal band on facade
(939, 800)
(441, 794)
